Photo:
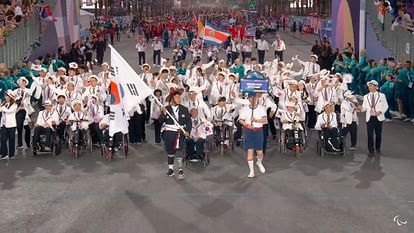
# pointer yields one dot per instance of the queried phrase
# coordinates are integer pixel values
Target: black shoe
(371, 154)
(181, 175)
(170, 173)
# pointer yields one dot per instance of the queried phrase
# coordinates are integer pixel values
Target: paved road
(307, 195)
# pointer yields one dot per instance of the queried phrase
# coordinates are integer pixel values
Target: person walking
(141, 51)
(8, 126)
(174, 138)
(262, 47)
(252, 118)
(375, 105)
(280, 47)
(157, 49)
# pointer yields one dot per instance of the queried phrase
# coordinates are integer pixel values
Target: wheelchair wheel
(106, 153)
(282, 142)
(125, 145)
(88, 141)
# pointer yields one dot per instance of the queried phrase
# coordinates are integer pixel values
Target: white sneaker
(261, 167)
(412, 120)
(388, 120)
(407, 119)
(251, 175)
(403, 115)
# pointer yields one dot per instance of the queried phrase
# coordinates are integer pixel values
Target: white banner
(135, 90)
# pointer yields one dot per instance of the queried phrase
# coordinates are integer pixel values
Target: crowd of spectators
(13, 13)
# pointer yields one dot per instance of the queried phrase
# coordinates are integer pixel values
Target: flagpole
(202, 43)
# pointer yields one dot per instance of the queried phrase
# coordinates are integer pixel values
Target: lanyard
(370, 103)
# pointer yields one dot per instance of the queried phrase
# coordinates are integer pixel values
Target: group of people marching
(207, 95)
(193, 102)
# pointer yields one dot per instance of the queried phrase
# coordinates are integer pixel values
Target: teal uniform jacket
(403, 75)
(338, 69)
(181, 71)
(377, 72)
(367, 71)
(3, 89)
(362, 62)
(57, 64)
(388, 87)
(238, 70)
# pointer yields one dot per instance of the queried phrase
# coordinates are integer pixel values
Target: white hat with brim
(291, 104)
(105, 64)
(222, 73)
(93, 76)
(372, 82)
(22, 79)
(348, 94)
(195, 89)
(10, 93)
(233, 74)
(328, 105)
(292, 82)
(47, 103)
(315, 56)
(62, 69)
(164, 69)
(147, 65)
(172, 68)
(76, 102)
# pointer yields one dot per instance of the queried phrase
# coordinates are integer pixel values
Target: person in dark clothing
(316, 49)
(100, 47)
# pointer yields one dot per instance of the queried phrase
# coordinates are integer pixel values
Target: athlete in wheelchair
(330, 137)
(292, 135)
(112, 144)
(195, 150)
(43, 137)
(78, 123)
(223, 124)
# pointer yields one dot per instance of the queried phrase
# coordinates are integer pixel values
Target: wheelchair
(113, 145)
(324, 147)
(223, 132)
(55, 146)
(79, 140)
(296, 143)
(206, 157)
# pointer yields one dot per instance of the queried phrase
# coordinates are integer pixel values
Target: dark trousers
(279, 54)
(7, 139)
(61, 131)
(42, 131)
(99, 57)
(331, 134)
(96, 133)
(157, 129)
(311, 117)
(265, 134)
(374, 126)
(246, 55)
(137, 128)
(352, 130)
(261, 55)
(156, 57)
(272, 126)
(148, 111)
(27, 135)
(141, 58)
(197, 147)
(234, 56)
(20, 116)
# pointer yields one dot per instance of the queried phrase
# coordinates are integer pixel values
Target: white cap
(76, 102)
(373, 82)
(22, 79)
(47, 102)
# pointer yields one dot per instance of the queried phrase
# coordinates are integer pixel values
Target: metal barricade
(399, 42)
(19, 44)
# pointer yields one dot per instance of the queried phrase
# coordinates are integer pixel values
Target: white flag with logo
(135, 90)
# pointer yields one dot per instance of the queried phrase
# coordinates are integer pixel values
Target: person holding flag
(177, 120)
